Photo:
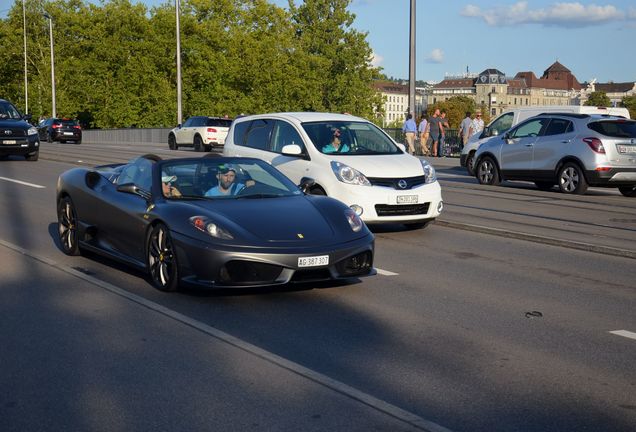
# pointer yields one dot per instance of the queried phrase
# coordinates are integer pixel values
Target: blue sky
(592, 39)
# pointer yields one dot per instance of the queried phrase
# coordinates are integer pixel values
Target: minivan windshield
(615, 128)
(349, 138)
(8, 111)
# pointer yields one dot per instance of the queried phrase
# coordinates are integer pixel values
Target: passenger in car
(336, 145)
(168, 188)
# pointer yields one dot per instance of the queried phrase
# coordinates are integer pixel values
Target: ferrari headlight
(32, 131)
(354, 220)
(349, 175)
(429, 172)
(204, 224)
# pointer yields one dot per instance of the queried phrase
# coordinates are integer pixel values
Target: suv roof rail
(566, 114)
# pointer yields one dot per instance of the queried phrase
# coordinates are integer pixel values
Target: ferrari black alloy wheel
(161, 259)
(67, 226)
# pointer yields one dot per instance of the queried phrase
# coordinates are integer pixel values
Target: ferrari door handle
(529, 145)
(566, 141)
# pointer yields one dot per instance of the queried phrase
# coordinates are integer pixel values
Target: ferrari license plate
(407, 199)
(313, 261)
(9, 142)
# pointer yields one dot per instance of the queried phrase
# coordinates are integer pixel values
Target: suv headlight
(204, 224)
(32, 131)
(349, 175)
(429, 172)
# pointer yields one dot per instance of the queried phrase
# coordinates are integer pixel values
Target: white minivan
(513, 117)
(348, 158)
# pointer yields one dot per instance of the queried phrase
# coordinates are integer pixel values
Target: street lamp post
(179, 113)
(26, 81)
(47, 16)
(412, 60)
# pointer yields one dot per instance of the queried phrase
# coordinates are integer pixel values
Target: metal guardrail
(452, 145)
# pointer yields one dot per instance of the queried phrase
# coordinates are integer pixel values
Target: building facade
(396, 101)
(614, 91)
(494, 91)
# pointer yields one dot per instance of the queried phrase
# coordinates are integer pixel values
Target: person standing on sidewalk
(434, 127)
(478, 124)
(423, 130)
(410, 128)
(443, 128)
(464, 128)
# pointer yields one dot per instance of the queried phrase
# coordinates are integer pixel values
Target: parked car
(573, 151)
(60, 129)
(515, 116)
(17, 135)
(367, 171)
(200, 132)
(171, 219)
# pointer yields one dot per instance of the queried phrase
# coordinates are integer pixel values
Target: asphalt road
(474, 323)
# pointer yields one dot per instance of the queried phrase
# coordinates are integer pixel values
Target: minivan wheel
(628, 191)
(571, 179)
(487, 172)
(470, 164)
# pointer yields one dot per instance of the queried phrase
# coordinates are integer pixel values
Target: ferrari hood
(384, 166)
(285, 219)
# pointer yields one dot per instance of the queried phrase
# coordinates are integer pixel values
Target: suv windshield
(8, 111)
(615, 128)
(349, 138)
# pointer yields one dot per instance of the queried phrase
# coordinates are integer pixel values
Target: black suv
(17, 136)
(62, 130)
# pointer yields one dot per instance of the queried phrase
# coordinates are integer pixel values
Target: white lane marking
(23, 183)
(385, 272)
(339, 387)
(624, 333)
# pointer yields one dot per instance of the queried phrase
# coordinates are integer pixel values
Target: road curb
(587, 247)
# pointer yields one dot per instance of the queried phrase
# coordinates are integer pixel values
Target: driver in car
(227, 182)
(336, 145)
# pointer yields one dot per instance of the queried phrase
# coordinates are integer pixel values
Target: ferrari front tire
(161, 259)
(67, 226)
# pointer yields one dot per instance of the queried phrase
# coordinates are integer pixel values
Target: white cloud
(376, 59)
(436, 56)
(572, 14)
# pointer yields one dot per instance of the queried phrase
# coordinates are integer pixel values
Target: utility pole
(53, 113)
(412, 61)
(26, 81)
(179, 112)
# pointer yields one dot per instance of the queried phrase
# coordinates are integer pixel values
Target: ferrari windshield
(223, 178)
(349, 138)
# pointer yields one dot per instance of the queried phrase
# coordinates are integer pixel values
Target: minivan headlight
(349, 175)
(32, 131)
(429, 172)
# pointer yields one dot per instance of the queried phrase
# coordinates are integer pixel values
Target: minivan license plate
(313, 261)
(8, 142)
(407, 199)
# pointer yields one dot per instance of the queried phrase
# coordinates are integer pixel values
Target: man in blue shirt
(336, 145)
(227, 186)
(410, 129)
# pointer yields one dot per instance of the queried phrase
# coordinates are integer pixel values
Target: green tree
(629, 102)
(598, 98)
(337, 58)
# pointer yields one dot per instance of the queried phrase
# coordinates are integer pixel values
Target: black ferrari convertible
(213, 222)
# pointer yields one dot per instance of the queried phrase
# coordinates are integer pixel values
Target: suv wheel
(198, 144)
(571, 179)
(487, 172)
(470, 163)
(33, 156)
(172, 143)
(628, 191)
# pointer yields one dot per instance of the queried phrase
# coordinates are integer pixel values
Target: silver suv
(573, 151)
